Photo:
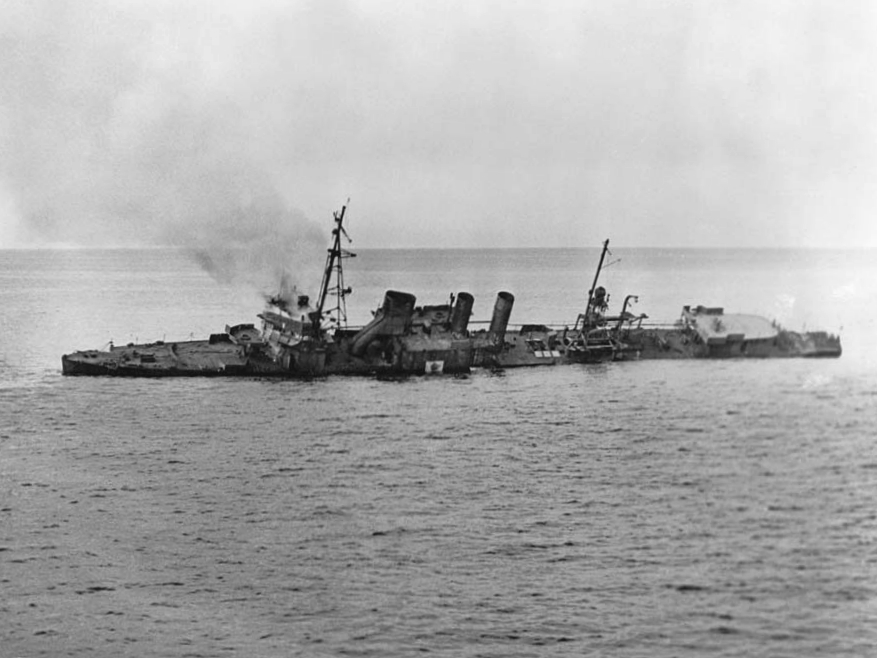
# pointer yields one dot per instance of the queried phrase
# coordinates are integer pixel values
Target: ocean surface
(631, 509)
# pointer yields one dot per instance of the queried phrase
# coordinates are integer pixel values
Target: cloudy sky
(454, 123)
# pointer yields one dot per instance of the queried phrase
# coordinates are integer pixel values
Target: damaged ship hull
(402, 339)
(424, 341)
(298, 341)
(710, 333)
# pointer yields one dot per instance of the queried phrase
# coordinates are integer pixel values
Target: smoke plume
(124, 125)
(203, 123)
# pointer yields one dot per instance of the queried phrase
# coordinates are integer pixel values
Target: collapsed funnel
(392, 319)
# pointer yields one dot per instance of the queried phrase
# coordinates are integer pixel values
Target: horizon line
(69, 247)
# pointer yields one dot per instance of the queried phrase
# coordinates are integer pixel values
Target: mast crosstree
(333, 279)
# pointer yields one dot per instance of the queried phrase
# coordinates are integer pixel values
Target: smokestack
(502, 310)
(393, 319)
(462, 312)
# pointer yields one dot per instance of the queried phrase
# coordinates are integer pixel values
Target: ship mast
(596, 277)
(334, 269)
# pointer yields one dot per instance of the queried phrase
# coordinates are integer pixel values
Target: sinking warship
(302, 340)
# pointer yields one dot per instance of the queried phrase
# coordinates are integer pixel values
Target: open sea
(662, 509)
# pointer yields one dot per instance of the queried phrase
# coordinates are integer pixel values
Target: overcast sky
(721, 123)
